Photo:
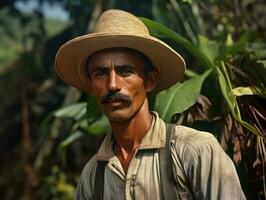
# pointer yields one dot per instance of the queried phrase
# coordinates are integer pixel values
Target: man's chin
(118, 116)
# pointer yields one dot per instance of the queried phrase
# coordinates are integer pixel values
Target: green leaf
(240, 44)
(71, 138)
(259, 47)
(159, 14)
(226, 89)
(45, 123)
(230, 99)
(189, 73)
(179, 97)
(93, 111)
(98, 127)
(160, 30)
(240, 91)
(186, 17)
(263, 62)
(209, 47)
(188, 1)
(75, 111)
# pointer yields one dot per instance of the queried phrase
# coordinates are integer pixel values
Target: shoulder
(89, 169)
(192, 137)
(190, 144)
(86, 181)
(199, 158)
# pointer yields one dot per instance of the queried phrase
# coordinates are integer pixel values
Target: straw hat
(116, 28)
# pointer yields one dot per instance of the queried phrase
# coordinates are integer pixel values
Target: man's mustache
(115, 97)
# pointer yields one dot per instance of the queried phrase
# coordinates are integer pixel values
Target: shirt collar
(154, 139)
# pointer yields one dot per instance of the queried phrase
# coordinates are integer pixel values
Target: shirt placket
(131, 177)
(128, 178)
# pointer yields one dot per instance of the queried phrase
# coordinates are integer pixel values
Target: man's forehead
(114, 53)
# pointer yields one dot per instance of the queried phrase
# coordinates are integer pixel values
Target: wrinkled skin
(119, 71)
(117, 80)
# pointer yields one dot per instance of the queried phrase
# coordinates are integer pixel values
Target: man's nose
(113, 82)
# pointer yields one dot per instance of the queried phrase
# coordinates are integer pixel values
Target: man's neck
(129, 134)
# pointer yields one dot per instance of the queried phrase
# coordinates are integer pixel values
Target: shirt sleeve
(203, 170)
(84, 188)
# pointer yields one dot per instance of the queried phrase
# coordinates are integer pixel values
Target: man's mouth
(115, 103)
(113, 100)
(110, 101)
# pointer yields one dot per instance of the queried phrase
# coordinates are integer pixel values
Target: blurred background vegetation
(49, 130)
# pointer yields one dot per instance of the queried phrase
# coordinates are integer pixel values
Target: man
(120, 63)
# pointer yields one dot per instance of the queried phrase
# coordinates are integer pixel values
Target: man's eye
(125, 71)
(99, 74)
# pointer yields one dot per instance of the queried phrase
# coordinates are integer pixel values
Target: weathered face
(118, 82)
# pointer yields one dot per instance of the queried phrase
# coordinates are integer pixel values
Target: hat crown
(117, 29)
(120, 22)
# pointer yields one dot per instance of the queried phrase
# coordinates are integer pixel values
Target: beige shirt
(197, 158)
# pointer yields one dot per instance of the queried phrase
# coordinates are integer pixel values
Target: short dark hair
(148, 67)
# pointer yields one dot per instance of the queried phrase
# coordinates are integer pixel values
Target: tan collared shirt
(200, 166)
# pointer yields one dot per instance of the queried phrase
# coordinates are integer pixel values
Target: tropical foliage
(51, 130)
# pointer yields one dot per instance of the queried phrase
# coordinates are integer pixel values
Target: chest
(142, 180)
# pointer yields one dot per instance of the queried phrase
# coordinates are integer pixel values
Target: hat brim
(72, 56)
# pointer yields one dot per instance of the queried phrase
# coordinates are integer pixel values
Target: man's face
(118, 82)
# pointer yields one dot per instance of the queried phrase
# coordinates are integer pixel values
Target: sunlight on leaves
(179, 97)
(72, 111)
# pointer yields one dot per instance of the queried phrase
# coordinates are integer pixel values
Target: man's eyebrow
(125, 65)
(98, 67)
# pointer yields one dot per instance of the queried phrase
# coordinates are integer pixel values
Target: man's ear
(151, 78)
